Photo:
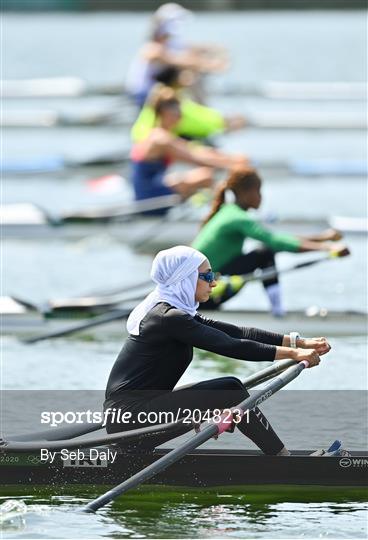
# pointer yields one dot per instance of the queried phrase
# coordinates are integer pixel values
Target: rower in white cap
(166, 47)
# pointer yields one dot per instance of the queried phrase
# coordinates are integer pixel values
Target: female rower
(228, 224)
(165, 47)
(164, 328)
(152, 156)
(197, 121)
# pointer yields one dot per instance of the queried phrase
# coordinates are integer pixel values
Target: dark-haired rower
(228, 224)
(197, 121)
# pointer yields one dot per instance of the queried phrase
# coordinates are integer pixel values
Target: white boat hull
(23, 221)
(313, 322)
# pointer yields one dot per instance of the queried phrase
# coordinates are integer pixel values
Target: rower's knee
(205, 175)
(201, 177)
(233, 383)
(265, 254)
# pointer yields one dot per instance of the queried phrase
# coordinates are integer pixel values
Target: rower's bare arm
(156, 52)
(213, 58)
(235, 122)
(181, 150)
(328, 235)
(311, 245)
(161, 143)
(214, 158)
(209, 48)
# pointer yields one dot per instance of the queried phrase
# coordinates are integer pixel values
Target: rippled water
(191, 516)
(73, 363)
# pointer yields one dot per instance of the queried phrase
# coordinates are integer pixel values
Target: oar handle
(343, 252)
(127, 210)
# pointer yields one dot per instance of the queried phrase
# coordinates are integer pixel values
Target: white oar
(213, 429)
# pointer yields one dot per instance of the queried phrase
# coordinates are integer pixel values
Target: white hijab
(175, 272)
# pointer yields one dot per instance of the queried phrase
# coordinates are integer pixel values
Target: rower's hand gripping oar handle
(339, 254)
(343, 252)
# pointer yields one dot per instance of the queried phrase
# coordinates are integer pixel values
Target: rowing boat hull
(72, 87)
(124, 116)
(200, 469)
(152, 234)
(314, 322)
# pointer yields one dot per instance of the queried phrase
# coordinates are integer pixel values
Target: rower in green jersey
(197, 121)
(228, 224)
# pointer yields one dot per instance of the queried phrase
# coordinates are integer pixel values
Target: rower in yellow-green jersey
(197, 121)
(229, 224)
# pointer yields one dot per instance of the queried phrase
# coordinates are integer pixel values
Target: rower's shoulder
(233, 213)
(173, 316)
(233, 208)
(152, 51)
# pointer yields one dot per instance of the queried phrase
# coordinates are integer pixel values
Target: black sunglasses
(209, 276)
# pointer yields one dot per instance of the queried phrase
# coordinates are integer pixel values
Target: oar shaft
(92, 303)
(209, 431)
(153, 469)
(269, 273)
(30, 445)
(121, 290)
(267, 373)
(142, 240)
(123, 211)
(231, 285)
(96, 321)
(272, 272)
